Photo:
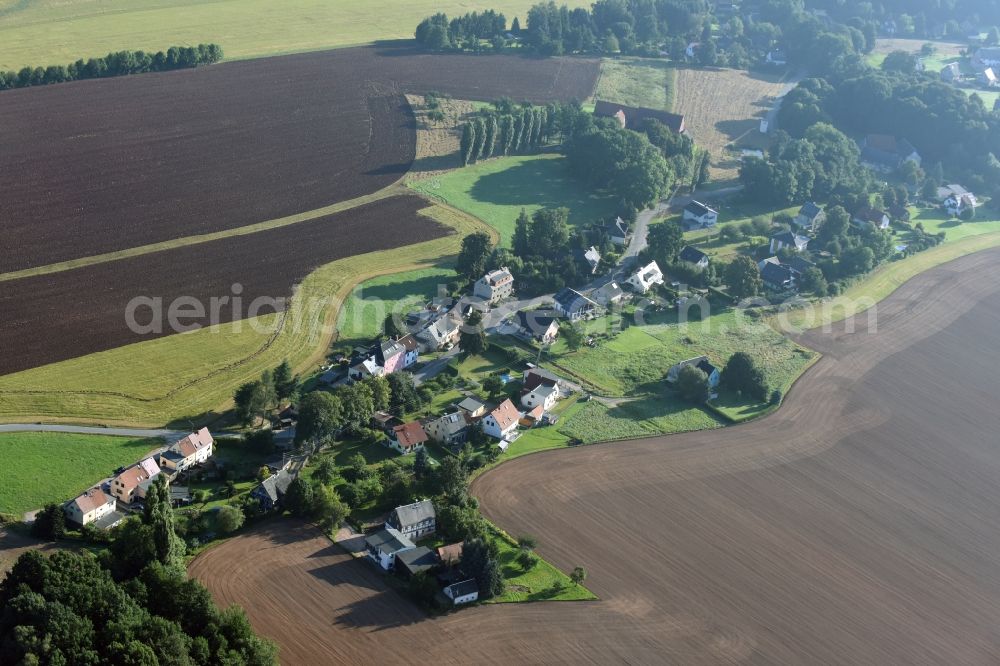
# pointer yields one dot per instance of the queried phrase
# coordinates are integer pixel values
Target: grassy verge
(193, 376)
(46, 32)
(371, 301)
(495, 191)
(647, 82)
(543, 582)
(39, 468)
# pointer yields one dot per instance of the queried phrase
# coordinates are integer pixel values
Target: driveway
(92, 430)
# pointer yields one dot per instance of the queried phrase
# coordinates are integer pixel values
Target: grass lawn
(635, 361)
(371, 301)
(46, 32)
(543, 582)
(648, 416)
(193, 376)
(496, 190)
(645, 82)
(39, 468)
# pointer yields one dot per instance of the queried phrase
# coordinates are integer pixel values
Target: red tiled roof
(505, 414)
(450, 554)
(409, 434)
(91, 500)
(193, 443)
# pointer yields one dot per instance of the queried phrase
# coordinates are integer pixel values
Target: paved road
(92, 430)
(772, 115)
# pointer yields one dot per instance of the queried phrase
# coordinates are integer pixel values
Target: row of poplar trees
(505, 133)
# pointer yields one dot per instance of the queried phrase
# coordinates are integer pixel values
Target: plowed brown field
(102, 165)
(856, 525)
(63, 315)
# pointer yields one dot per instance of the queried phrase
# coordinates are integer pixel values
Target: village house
(194, 449)
(789, 240)
(608, 295)
(365, 368)
(448, 430)
(886, 153)
(131, 484)
(698, 216)
(93, 507)
(988, 78)
(700, 362)
(451, 554)
(574, 305)
(528, 419)
(809, 217)
(391, 355)
(870, 217)
(464, 592)
(590, 258)
(384, 422)
(986, 57)
(617, 231)
(414, 521)
(494, 286)
(411, 350)
(408, 437)
(632, 117)
(384, 545)
(778, 276)
(272, 489)
(693, 255)
(534, 377)
(472, 407)
(646, 278)
(541, 325)
(502, 421)
(442, 333)
(544, 396)
(418, 560)
(777, 57)
(951, 73)
(955, 199)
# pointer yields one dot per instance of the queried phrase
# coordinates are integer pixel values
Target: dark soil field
(77, 312)
(856, 525)
(102, 165)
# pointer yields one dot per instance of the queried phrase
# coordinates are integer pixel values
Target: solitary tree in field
(578, 575)
(743, 374)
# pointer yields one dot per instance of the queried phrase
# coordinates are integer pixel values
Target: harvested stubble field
(109, 164)
(723, 107)
(50, 318)
(855, 525)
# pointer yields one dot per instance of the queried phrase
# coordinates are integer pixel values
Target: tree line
(118, 63)
(439, 33)
(637, 167)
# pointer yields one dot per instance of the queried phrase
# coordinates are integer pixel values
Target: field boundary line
(187, 241)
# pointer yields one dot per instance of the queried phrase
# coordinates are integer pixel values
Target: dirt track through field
(857, 525)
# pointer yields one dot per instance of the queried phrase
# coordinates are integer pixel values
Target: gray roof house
(414, 521)
(693, 255)
(789, 240)
(272, 489)
(418, 560)
(573, 304)
(810, 216)
(384, 545)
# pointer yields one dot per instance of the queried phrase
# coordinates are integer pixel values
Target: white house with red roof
(408, 438)
(132, 483)
(194, 449)
(501, 421)
(93, 506)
